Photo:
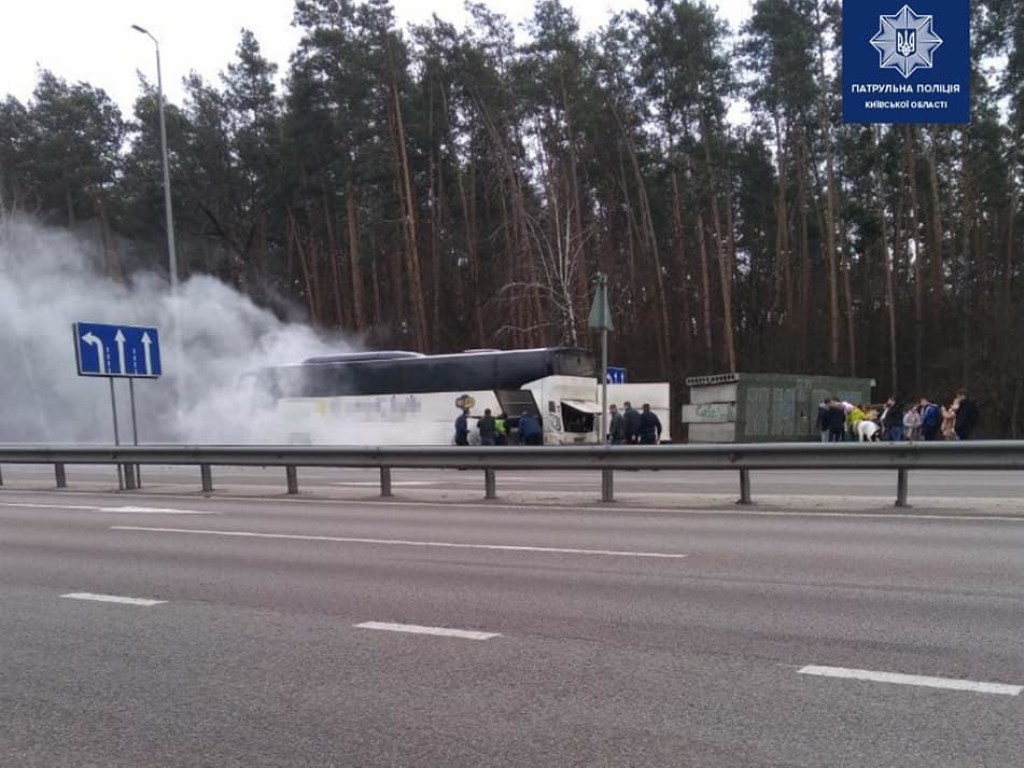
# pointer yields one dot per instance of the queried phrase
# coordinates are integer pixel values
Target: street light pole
(172, 253)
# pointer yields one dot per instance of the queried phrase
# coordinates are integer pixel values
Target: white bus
(407, 398)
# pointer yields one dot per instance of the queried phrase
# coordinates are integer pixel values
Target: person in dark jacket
(836, 421)
(617, 426)
(892, 419)
(530, 430)
(487, 428)
(462, 428)
(822, 420)
(931, 419)
(632, 418)
(650, 426)
(967, 415)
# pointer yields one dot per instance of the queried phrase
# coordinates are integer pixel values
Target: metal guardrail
(898, 457)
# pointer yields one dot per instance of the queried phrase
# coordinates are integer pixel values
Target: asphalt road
(605, 637)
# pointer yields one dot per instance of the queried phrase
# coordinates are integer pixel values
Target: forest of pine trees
(439, 189)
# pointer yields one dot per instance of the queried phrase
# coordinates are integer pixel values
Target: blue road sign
(616, 375)
(117, 350)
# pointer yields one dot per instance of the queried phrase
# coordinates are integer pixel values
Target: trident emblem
(906, 41)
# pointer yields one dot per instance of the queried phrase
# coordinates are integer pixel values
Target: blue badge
(906, 62)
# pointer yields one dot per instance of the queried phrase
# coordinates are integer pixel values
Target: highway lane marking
(415, 629)
(405, 543)
(115, 510)
(897, 678)
(113, 599)
(586, 506)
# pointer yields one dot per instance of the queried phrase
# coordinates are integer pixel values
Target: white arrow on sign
(94, 341)
(119, 340)
(146, 344)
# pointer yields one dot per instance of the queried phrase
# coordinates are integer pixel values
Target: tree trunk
(888, 259)
(825, 125)
(725, 275)
(783, 287)
(937, 277)
(409, 216)
(355, 258)
(910, 134)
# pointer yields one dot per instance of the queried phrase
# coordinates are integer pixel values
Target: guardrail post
(61, 475)
(1, 475)
(206, 477)
(130, 480)
(745, 487)
(607, 485)
(385, 482)
(292, 473)
(901, 488)
(490, 485)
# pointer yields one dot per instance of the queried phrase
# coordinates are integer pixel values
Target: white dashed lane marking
(415, 629)
(897, 678)
(140, 601)
(403, 543)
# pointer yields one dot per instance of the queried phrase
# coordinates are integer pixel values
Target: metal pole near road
(172, 253)
(117, 433)
(601, 319)
(135, 468)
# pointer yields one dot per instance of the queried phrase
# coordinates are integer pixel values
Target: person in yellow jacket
(501, 429)
(855, 417)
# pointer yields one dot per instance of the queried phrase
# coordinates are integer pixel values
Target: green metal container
(763, 407)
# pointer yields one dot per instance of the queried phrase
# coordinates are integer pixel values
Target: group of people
(630, 427)
(633, 427)
(839, 420)
(496, 430)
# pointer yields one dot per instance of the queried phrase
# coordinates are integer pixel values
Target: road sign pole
(136, 468)
(601, 319)
(117, 434)
(604, 384)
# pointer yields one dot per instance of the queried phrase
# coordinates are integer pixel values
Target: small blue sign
(906, 61)
(616, 375)
(117, 350)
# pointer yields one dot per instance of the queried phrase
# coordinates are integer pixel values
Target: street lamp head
(146, 32)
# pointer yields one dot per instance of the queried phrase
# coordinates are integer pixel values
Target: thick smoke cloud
(48, 280)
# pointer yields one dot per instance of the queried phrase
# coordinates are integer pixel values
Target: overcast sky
(94, 42)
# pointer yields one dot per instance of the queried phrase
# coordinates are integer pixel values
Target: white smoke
(48, 280)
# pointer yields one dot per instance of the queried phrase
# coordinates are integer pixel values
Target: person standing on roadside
(617, 426)
(931, 419)
(836, 421)
(650, 426)
(892, 420)
(967, 415)
(488, 431)
(632, 418)
(462, 428)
